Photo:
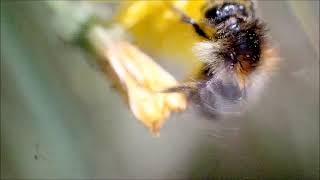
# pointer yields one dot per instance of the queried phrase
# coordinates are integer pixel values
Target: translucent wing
(221, 94)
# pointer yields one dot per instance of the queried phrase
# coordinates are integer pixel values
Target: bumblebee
(231, 42)
(237, 56)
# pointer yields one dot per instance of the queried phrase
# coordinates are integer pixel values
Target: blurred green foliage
(60, 118)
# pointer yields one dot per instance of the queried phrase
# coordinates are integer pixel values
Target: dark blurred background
(61, 119)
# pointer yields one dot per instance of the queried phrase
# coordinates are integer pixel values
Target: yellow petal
(141, 78)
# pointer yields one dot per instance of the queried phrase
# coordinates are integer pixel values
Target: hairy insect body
(236, 56)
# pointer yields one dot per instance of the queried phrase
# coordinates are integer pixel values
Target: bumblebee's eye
(211, 13)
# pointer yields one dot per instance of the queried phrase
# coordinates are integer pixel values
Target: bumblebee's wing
(221, 94)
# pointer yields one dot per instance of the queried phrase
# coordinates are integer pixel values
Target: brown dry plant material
(139, 79)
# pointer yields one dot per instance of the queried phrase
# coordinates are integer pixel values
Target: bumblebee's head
(229, 14)
(221, 13)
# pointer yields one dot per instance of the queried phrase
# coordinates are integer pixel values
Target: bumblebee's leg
(195, 26)
(185, 18)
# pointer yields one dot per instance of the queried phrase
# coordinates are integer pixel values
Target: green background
(60, 117)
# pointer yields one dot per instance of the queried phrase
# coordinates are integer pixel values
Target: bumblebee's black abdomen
(248, 44)
(242, 46)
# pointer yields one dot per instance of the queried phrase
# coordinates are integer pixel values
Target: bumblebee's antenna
(187, 19)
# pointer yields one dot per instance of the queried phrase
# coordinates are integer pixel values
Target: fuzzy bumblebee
(226, 38)
(237, 57)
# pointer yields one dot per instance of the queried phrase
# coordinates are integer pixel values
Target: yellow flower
(159, 31)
